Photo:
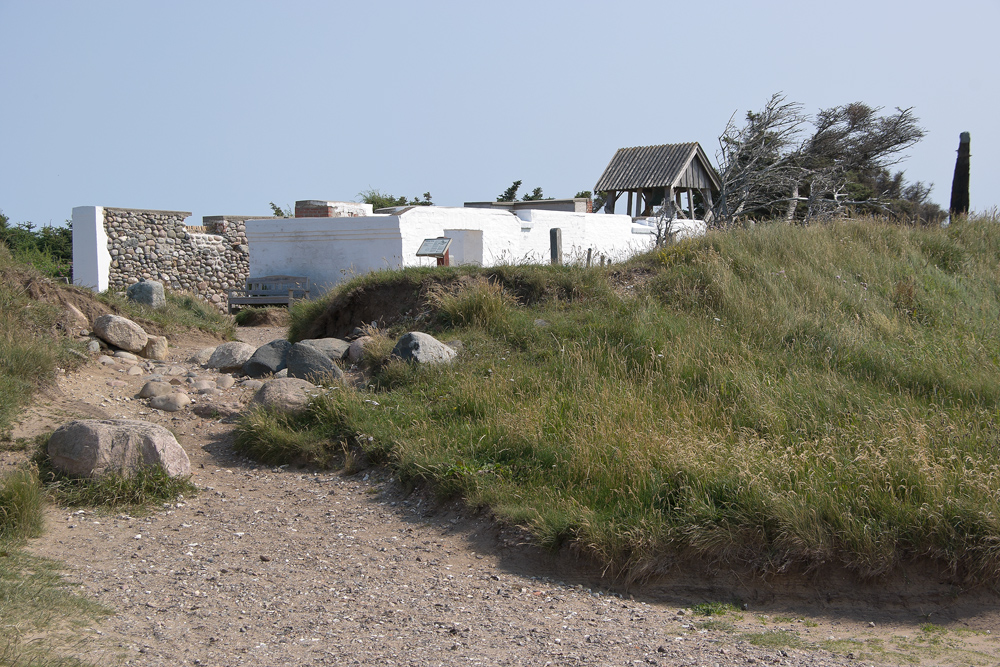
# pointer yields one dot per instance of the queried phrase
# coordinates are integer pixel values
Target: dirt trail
(277, 566)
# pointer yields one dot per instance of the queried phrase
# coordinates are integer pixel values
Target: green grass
(714, 608)
(772, 397)
(34, 597)
(21, 499)
(135, 492)
(773, 639)
(29, 348)
(183, 311)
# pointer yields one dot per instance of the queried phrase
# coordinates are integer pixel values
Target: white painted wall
(329, 250)
(611, 235)
(326, 250)
(91, 258)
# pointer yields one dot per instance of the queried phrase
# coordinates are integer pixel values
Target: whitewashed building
(331, 249)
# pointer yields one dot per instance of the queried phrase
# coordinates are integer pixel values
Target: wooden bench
(270, 291)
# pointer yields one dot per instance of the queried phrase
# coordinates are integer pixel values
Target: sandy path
(269, 566)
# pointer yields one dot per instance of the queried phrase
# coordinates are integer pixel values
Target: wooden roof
(667, 165)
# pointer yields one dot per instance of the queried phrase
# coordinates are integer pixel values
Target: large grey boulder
(356, 351)
(121, 332)
(202, 356)
(92, 447)
(334, 348)
(309, 363)
(155, 388)
(173, 402)
(230, 357)
(147, 292)
(267, 359)
(285, 394)
(422, 348)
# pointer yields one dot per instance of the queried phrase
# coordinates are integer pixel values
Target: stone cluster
(157, 245)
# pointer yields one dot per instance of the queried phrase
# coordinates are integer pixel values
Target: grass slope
(779, 396)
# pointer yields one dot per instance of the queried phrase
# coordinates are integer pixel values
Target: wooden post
(555, 245)
(589, 252)
(691, 203)
(609, 203)
(628, 206)
(446, 260)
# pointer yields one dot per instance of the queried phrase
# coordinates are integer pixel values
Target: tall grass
(29, 350)
(779, 396)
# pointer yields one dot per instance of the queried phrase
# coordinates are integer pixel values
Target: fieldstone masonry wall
(157, 245)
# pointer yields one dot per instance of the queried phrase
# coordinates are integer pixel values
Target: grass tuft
(135, 492)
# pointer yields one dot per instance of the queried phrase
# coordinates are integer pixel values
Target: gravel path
(276, 566)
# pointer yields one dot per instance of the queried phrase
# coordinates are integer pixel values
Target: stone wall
(157, 245)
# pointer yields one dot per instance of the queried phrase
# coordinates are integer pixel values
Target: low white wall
(329, 250)
(326, 250)
(91, 258)
(614, 236)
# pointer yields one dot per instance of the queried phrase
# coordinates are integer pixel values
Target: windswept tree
(781, 162)
(379, 199)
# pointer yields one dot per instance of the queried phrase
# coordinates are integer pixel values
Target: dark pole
(960, 183)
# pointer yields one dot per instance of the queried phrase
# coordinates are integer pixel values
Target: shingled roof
(667, 165)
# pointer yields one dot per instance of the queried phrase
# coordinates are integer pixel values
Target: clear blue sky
(221, 107)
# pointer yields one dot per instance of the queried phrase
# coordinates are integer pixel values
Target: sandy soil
(280, 566)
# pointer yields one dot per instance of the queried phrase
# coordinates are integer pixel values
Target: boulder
(202, 356)
(307, 362)
(77, 316)
(121, 332)
(126, 357)
(224, 381)
(422, 348)
(334, 348)
(212, 409)
(230, 357)
(155, 388)
(156, 348)
(92, 447)
(267, 359)
(285, 394)
(94, 346)
(170, 402)
(356, 352)
(147, 292)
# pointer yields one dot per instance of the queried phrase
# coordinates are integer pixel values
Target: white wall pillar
(91, 258)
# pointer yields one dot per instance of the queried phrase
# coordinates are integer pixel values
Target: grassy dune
(770, 397)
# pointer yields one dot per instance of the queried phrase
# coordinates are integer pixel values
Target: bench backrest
(278, 285)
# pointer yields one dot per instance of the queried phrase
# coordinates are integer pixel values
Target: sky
(220, 107)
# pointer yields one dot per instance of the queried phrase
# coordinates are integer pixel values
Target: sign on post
(436, 248)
